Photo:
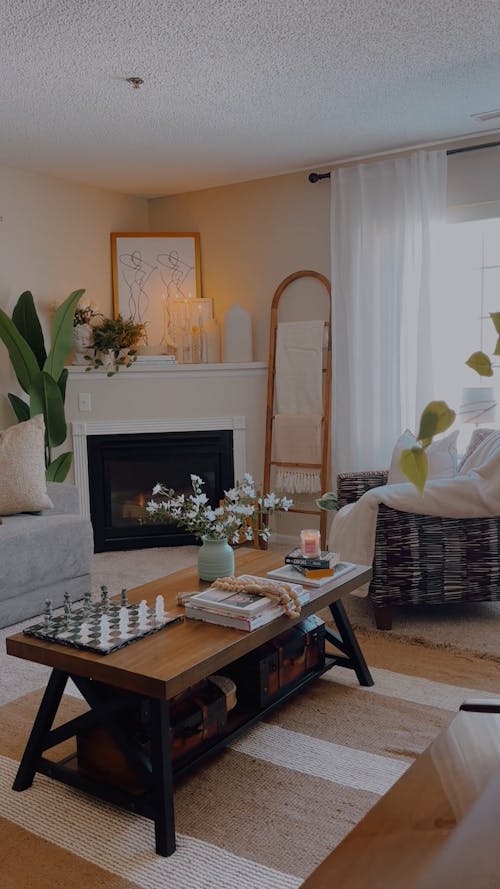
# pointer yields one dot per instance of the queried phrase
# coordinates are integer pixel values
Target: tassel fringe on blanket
(298, 481)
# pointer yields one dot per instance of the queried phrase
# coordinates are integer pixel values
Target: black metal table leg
(41, 728)
(163, 788)
(349, 644)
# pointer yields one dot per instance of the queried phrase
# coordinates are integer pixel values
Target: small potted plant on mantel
(114, 342)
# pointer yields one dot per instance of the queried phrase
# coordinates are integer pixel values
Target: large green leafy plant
(42, 374)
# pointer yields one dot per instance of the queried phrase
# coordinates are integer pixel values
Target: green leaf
(497, 347)
(26, 320)
(495, 317)
(480, 362)
(20, 408)
(413, 463)
(436, 417)
(63, 379)
(45, 398)
(62, 335)
(59, 468)
(20, 353)
(328, 501)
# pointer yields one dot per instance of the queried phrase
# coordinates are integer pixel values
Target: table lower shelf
(151, 794)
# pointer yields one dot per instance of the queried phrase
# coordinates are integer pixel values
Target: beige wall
(253, 235)
(54, 238)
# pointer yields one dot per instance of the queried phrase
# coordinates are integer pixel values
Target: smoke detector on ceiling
(137, 82)
(485, 116)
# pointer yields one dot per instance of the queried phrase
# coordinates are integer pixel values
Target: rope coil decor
(278, 592)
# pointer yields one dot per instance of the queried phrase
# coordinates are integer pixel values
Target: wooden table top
(176, 657)
(437, 827)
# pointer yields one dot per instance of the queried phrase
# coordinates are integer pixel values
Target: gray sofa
(44, 555)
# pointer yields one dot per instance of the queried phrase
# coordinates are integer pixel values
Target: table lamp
(478, 405)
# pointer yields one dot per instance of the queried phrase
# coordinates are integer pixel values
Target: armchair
(426, 559)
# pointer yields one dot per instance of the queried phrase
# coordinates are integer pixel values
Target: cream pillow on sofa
(22, 468)
(441, 457)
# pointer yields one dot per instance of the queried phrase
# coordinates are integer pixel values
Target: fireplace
(122, 470)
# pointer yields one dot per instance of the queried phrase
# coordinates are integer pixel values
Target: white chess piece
(124, 615)
(159, 607)
(104, 631)
(143, 614)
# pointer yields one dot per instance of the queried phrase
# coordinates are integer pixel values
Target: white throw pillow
(484, 451)
(22, 468)
(441, 457)
(480, 434)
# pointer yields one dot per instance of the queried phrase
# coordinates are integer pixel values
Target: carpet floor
(267, 810)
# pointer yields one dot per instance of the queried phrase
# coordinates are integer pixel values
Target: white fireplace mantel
(156, 370)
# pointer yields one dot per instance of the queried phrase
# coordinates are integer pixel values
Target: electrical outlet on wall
(84, 401)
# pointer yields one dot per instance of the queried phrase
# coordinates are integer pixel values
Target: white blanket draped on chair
(473, 493)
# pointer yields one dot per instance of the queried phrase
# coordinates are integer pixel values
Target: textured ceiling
(236, 89)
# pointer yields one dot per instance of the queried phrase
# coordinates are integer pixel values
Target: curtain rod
(316, 177)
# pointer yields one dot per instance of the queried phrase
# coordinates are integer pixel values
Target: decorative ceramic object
(215, 559)
(83, 339)
(237, 336)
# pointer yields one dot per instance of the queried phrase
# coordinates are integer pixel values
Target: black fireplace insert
(123, 470)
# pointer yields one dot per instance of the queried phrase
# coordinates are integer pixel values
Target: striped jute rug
(261, 814)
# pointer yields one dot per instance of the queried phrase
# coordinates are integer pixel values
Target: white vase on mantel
(237, 336)
(83, 338)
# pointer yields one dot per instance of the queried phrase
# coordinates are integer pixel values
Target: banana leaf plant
(42, 374)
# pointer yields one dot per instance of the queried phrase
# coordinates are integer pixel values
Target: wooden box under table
(270, 669)
(197, 715)
(200, 713)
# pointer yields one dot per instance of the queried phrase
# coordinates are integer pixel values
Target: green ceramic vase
(215, 559)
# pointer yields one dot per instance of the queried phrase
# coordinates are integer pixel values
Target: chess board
(82, 628)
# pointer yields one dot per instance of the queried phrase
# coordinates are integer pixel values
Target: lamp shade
(478, 405)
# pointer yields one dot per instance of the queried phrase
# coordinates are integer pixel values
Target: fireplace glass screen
(123, 470)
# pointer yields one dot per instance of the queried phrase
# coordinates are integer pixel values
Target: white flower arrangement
(239, 516)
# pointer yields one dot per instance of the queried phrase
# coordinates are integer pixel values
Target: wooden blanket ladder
(326, 393)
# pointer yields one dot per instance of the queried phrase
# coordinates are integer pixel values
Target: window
(467, 289)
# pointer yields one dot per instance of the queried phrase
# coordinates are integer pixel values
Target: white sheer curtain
(383, 217)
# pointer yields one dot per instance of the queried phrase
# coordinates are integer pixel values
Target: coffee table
(437, 827)
(156, 669)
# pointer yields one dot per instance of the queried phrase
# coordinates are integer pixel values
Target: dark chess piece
(67, 606)
(87, 602)
(123, 598)
(104, 599)
(47, 614)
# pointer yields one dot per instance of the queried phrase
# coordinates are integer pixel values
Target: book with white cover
(238, 622)
(288, 573)
(233, 603)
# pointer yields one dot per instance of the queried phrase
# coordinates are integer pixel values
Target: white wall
(474, 184)
(54, 238)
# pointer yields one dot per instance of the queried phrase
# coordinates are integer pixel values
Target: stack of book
(243, 611)
(311, 570)
(148, 360)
